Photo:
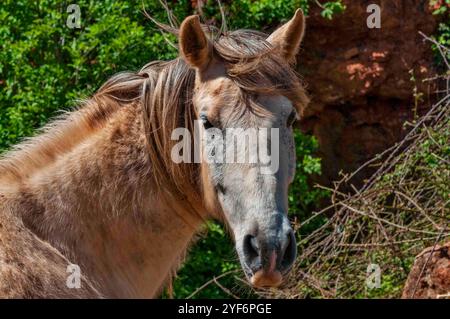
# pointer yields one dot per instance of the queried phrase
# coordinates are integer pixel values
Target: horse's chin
(263, 279)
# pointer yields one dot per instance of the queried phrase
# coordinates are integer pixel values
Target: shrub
(441, 8)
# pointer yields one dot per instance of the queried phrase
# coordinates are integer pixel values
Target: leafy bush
(45, 66)
(331, 8)
(442, 8)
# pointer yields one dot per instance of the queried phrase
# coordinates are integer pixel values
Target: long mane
(163, 89)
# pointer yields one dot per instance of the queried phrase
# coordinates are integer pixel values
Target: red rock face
(430, 275)
(360, 82)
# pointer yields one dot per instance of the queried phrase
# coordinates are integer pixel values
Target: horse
(94, 206)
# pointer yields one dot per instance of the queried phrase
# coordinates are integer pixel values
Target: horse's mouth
(263, 279)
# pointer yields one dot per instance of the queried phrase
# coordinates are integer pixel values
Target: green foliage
(303, 198)
(392, 277)
(258, 15)
(442, 8)
(46, 66)
(331, 8)
(430, 159)
(211, 256)
(265, 14)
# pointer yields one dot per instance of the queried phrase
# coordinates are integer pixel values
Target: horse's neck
(98, 206)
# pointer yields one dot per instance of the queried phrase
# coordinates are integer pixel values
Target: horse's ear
(288, 37)
(194, 45)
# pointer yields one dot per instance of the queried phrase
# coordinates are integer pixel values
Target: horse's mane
(56, 138)
(164, 92)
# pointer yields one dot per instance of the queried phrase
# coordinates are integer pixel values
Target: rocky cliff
(360, 79)
(430, 275)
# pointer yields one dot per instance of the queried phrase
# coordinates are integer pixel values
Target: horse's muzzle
(269, 259)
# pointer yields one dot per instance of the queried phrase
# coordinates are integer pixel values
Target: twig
(206, 284)
(227, 291)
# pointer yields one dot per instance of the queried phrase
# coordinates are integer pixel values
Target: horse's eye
(206, 123)
(293, 117)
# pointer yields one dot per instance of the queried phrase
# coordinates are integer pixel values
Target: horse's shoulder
(31, 267)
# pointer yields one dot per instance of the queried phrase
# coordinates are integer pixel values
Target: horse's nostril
(254, 244)
(290, 251)
(251, 247)
(270, 255)
(288, 240)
